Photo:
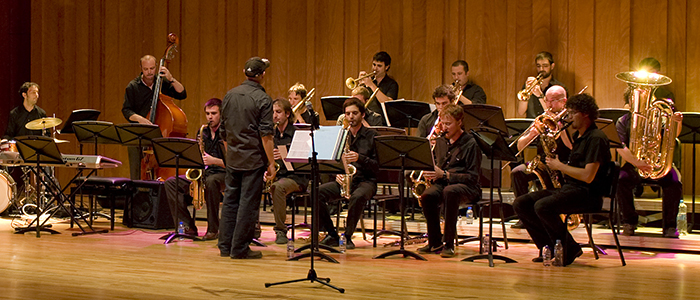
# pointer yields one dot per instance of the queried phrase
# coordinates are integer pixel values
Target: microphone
(314, 115)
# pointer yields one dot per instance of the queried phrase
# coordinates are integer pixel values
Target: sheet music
(386, 116)
(283, 153)
(328, 144)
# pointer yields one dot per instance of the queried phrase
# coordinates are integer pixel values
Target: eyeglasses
(552, 101)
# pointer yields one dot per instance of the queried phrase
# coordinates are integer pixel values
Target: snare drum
(8, 146)
(8, 190)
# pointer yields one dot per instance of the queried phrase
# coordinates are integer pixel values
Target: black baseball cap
(256, 66)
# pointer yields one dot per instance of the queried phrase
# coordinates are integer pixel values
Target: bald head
(555, 98)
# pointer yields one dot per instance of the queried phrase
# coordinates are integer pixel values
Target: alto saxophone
(350, 169)
(196, 176)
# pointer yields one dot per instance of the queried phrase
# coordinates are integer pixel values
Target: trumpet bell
(350, 83)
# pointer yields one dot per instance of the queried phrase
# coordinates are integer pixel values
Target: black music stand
(690, 134)
(97, 132)
(400, 153)
(484, 115)
(333, 106)
(608, 127)
(491, 142)
(405, 113)
(43, 151)
(612, 113)
(176, 153)
(78, 115)
(516, 127)
(315, 173)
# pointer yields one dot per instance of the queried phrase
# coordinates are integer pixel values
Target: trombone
(352, 83)
(297, 108)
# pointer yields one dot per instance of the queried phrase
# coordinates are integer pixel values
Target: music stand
(484, 115)
(516, 127)
(176, 153)
(690, 133)
(492, 144)
(333, 106)
(405, 113)
(315, 173)
(97, 132)
(400, 152)
(78, 115)
(608, 127)
(612, 113)
(43, 151)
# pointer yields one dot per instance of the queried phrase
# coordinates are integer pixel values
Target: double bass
(164, 113)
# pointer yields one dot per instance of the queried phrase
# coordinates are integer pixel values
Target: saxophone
(196, 176)
(350, 169)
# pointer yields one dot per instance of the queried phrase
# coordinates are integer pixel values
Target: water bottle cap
(681, 201)
(469, 207)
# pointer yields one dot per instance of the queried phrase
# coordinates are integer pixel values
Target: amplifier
(149, 206)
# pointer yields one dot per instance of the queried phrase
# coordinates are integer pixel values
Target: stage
(132, 263)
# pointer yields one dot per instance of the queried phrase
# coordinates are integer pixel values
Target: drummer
(23, 114)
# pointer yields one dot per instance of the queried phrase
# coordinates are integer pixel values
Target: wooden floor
(134, 264)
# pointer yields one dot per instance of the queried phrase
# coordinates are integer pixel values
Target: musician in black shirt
(138, 97)
(362, 155)
(455, 180)
(287, 181)
(443, 95)
(297, 93)
(23, 114)
(213, 177)
(534, 107)
(471, 92)
(371, 118)
(388, 87)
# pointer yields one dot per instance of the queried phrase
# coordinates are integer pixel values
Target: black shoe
(191, 231)
(427, 249)
(349, 245)
(671, 233)
(250, 254)
(225, 253)
(448, 252)
(518, 225)
(330, 241)
(570, 259)
(210, 236)
(538, 259)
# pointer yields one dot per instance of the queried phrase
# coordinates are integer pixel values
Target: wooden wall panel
(85, 52)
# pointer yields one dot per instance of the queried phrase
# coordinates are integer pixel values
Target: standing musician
(388, 87)
(362, 155)
(287, 181)
(137, 101)
(533, 107)
(443, 95)
(583, 187)
(456, 178)
(23, 114)
(295, 94)
(629, 179)
(471, 93)
(555, 100)
(371, 118)
(246, 117)
(213, 176)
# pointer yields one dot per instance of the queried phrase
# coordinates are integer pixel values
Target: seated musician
(455, 179)
(583, 184)
(629, 179)
(287, 182)
(296, 93)
(23, 114)
(138, 97)
(371, 118)
(213, 177)
(442, 96)
(471, 92)
(555, 99)
(362, 155)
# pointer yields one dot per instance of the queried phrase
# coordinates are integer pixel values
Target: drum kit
(9, 191)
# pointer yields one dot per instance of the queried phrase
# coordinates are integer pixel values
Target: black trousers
(450, 196)
(672, 191)
(241, 209)
(213, 194)
(330, 191)
(540, 212)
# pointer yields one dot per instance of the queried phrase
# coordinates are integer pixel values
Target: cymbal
(59, 141)
(42, 123)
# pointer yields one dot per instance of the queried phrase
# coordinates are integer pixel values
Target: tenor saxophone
(196, 176)
(350, 169)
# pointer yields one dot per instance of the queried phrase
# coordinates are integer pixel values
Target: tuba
(653, 129)
(195, 176)
(350, 169)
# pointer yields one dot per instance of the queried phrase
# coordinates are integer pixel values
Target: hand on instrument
(554, 163)
(276, 154)
(339, 178)
(271, 172)
(537, 90)
(429, 175)
(643, 166)
(439, 173)
(351, 156)
(208, 159)
(143, 120)
(166, 73)
(677, 116)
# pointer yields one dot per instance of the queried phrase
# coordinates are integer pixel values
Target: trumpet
(525, 94)
(195, 176)
(352, 83)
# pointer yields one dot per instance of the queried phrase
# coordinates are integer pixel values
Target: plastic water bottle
(682, 219)
(546, 256)
(558, 254)
(485, 244)
(181, 230)
(290, 248)
(470, 216)
(341, 243)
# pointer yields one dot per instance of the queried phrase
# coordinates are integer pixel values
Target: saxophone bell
(196, 176)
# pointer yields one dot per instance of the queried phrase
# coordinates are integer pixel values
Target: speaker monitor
(149, 206)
